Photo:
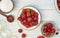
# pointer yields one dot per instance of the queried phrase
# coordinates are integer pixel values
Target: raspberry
(40, 37)
(44, 30)
(49, 25)
(47, 33)
(24, 10)
(20, 30)
(23, 35)
(52, 30)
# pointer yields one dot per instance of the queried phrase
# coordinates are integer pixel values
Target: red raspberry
(32, 13)
(44, 30)
(27, 26)
(20, 30)
(32, 16)
(36, 14)
(30, 23)
(35, 23)
(19, 18)
(23, 16)
(35, 18)
(52, 30)
(24, 21)
(23, 35)
(29, 19)
(49, 25)
(49, 30)
(47, 33)
(40, 37)
(24, 11)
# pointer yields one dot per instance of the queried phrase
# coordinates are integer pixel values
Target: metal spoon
(10, 18)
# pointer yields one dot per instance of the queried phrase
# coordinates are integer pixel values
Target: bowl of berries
(29, 18)
(48, 29)
(57, 4)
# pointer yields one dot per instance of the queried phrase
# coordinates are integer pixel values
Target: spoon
(10, 18)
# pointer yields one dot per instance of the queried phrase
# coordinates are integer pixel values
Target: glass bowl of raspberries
(48, 29)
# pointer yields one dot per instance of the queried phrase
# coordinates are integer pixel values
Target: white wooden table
(47, 10)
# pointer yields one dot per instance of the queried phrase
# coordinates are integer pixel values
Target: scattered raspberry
(20, 30)
(40, 37)
(23, 35)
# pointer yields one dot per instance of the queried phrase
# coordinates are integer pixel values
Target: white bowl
(6, 6)
(56, 6)
(39, 18)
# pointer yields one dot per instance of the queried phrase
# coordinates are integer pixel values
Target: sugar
(6, 5)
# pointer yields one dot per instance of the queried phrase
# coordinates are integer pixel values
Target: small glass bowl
(53, 27)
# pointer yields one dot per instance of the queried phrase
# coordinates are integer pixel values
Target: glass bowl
(54, 27)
